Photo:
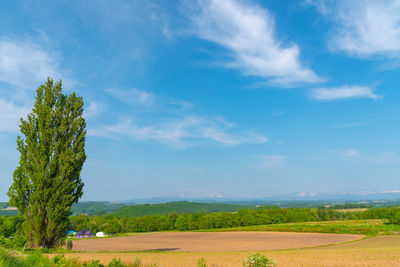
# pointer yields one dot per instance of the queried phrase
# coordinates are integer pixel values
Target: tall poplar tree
(47, 181)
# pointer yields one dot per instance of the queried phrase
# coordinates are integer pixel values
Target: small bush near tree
(116, 263)
(258, 260)
(5, 242)
(394, 217)
(69, 244)
(137, 262)
(202, 262)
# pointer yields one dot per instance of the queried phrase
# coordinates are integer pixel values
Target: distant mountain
(290, 197)
(175, 207)
(135, 207)
(346, 196)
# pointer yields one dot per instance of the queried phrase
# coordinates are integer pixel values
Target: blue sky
(221, 98)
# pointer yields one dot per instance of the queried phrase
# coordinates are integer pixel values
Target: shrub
(62, 261)
(202, 262)
(69, 244)
(258, 260)
(8, 260)
(394, 216)
(137, 262)
(115, 263)
(5, 242)
(93, 264)
(37, 259)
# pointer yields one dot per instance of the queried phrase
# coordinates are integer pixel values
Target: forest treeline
(201, 221)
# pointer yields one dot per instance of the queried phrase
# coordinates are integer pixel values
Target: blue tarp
(70, 232)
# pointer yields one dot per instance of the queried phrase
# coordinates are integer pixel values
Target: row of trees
(197, 221)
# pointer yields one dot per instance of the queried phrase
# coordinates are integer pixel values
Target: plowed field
(212, 242)
(376, 251)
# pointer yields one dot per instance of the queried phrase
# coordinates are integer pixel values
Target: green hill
(94, 207)
(85, 207)
(175, 207)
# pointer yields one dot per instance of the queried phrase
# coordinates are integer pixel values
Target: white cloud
(386, 157)
(320, 5)
(364, 28)
(10, 115)
(351, 153)
(270, 161)
(344, 92)
(182, 104)
(307, 194)
(279, 142)
(355, 155)
(213, 195)
(133, 96)
(136, 97)
(278, 114)
(348, 125)
(248, 32)
(26, 65)
(92, 109)
(179, 133)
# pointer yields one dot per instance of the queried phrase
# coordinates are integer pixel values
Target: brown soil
(212, 242)
(377, 251)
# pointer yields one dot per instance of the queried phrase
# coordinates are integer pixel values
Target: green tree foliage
(394, 216)
(201, 262)
(52, 151)
(258, 260)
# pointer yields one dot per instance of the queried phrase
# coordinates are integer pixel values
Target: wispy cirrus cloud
(179, 133)
(271, 161)
(343, 92)
(364, 28)
(10, 115)
(351, 153)
(26, 64)
(169, 125)
(355, 155)
(93, 108)
(278, 114)
(133, 96)
(248, 32)
(349, 124)
(136, 97)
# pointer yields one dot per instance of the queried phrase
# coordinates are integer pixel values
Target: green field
(365, 227)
